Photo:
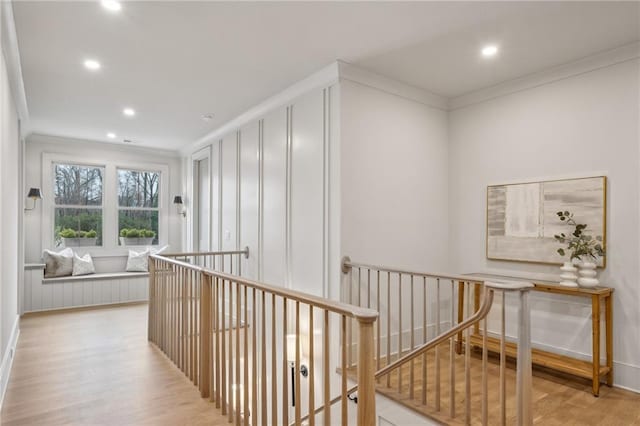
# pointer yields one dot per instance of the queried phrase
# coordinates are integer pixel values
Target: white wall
(584, 125)
(37, 145)
(273, 185)
(394, 180)
(11, 203)
(273, 177)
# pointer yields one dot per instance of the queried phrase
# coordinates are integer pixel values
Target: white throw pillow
(83, 265)
(154, 250)
(138, 261)
(58, 264)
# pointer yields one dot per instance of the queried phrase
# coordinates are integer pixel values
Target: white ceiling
(174, 61)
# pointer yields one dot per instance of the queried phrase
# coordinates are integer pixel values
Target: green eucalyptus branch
(579, 244)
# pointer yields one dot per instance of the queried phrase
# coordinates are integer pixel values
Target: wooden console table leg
(595, 337)
(460, 315)
(476, 306)
(609, 337)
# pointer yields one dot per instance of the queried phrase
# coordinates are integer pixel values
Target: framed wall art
(522, 218)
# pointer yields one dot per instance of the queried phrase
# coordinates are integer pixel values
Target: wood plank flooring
(557, 399)
(95, 367)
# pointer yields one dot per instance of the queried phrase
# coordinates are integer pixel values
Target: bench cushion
(105, 276)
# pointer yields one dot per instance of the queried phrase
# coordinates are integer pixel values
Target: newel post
(523, 373)
(524, 411)
(366, 372)
(205, 335)
(151, 320)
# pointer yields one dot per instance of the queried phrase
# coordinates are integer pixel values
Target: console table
(587, 369)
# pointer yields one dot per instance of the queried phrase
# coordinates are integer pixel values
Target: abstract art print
(522, 218)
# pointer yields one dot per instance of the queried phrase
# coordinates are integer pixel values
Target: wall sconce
(34, 194)
(291, 357)
(177, 201)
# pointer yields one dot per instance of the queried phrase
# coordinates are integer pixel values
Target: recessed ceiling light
(92, 64)
(129, 112)
(112, 5)
(207, 117)
(111, 135)
(490, 51)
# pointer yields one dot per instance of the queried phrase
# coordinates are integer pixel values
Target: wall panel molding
(318, 80)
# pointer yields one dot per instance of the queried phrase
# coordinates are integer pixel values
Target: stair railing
(410, 298)
(244, 344)
(224, 261)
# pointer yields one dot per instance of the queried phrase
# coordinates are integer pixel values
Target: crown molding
(343, 71)
(322, 78)
(359, 75)
(590, 63)
(42, 138)
(14, 69)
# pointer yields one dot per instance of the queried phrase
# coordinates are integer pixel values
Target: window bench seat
(44, 294)
(103, 276)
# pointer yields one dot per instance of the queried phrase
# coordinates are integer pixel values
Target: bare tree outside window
(78, 201)
(138, 201)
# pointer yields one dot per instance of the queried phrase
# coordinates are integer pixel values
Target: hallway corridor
(95, 367)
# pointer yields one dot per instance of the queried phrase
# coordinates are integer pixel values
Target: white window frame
(71, 206)
(142, 209)
(110, 233)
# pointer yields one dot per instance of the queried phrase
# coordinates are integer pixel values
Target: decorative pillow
(138, 261)
(83, 265)
(58, 264)
(154, 250)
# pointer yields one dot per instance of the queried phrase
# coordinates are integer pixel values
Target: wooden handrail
(189, 307)
(362, 314)
(469, 322)
(364, 285)
(347, 264)
(244, 251)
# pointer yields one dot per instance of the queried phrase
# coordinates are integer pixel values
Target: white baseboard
(7, 359)
(406, 338)
(625, 376)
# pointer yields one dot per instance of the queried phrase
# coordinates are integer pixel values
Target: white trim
(194, 212)
(322, 78)
(365, 77)
(625, 375)
(537, 179)
(99, 144)
(572, 69)
(7, 358)
(11, 52)
(260, 255)
(109, 207)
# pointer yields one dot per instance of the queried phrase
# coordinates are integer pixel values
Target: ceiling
(175, 61)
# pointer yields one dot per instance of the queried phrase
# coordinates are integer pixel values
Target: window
(86, 195)
(138, 207)
(78, 205)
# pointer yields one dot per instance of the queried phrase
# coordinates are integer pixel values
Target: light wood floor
(95, 367)
(557, 399)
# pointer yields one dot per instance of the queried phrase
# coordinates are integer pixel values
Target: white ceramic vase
(588, 275)
(568, 276)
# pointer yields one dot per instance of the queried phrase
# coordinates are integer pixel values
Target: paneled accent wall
(272, 177)
(71, 292)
